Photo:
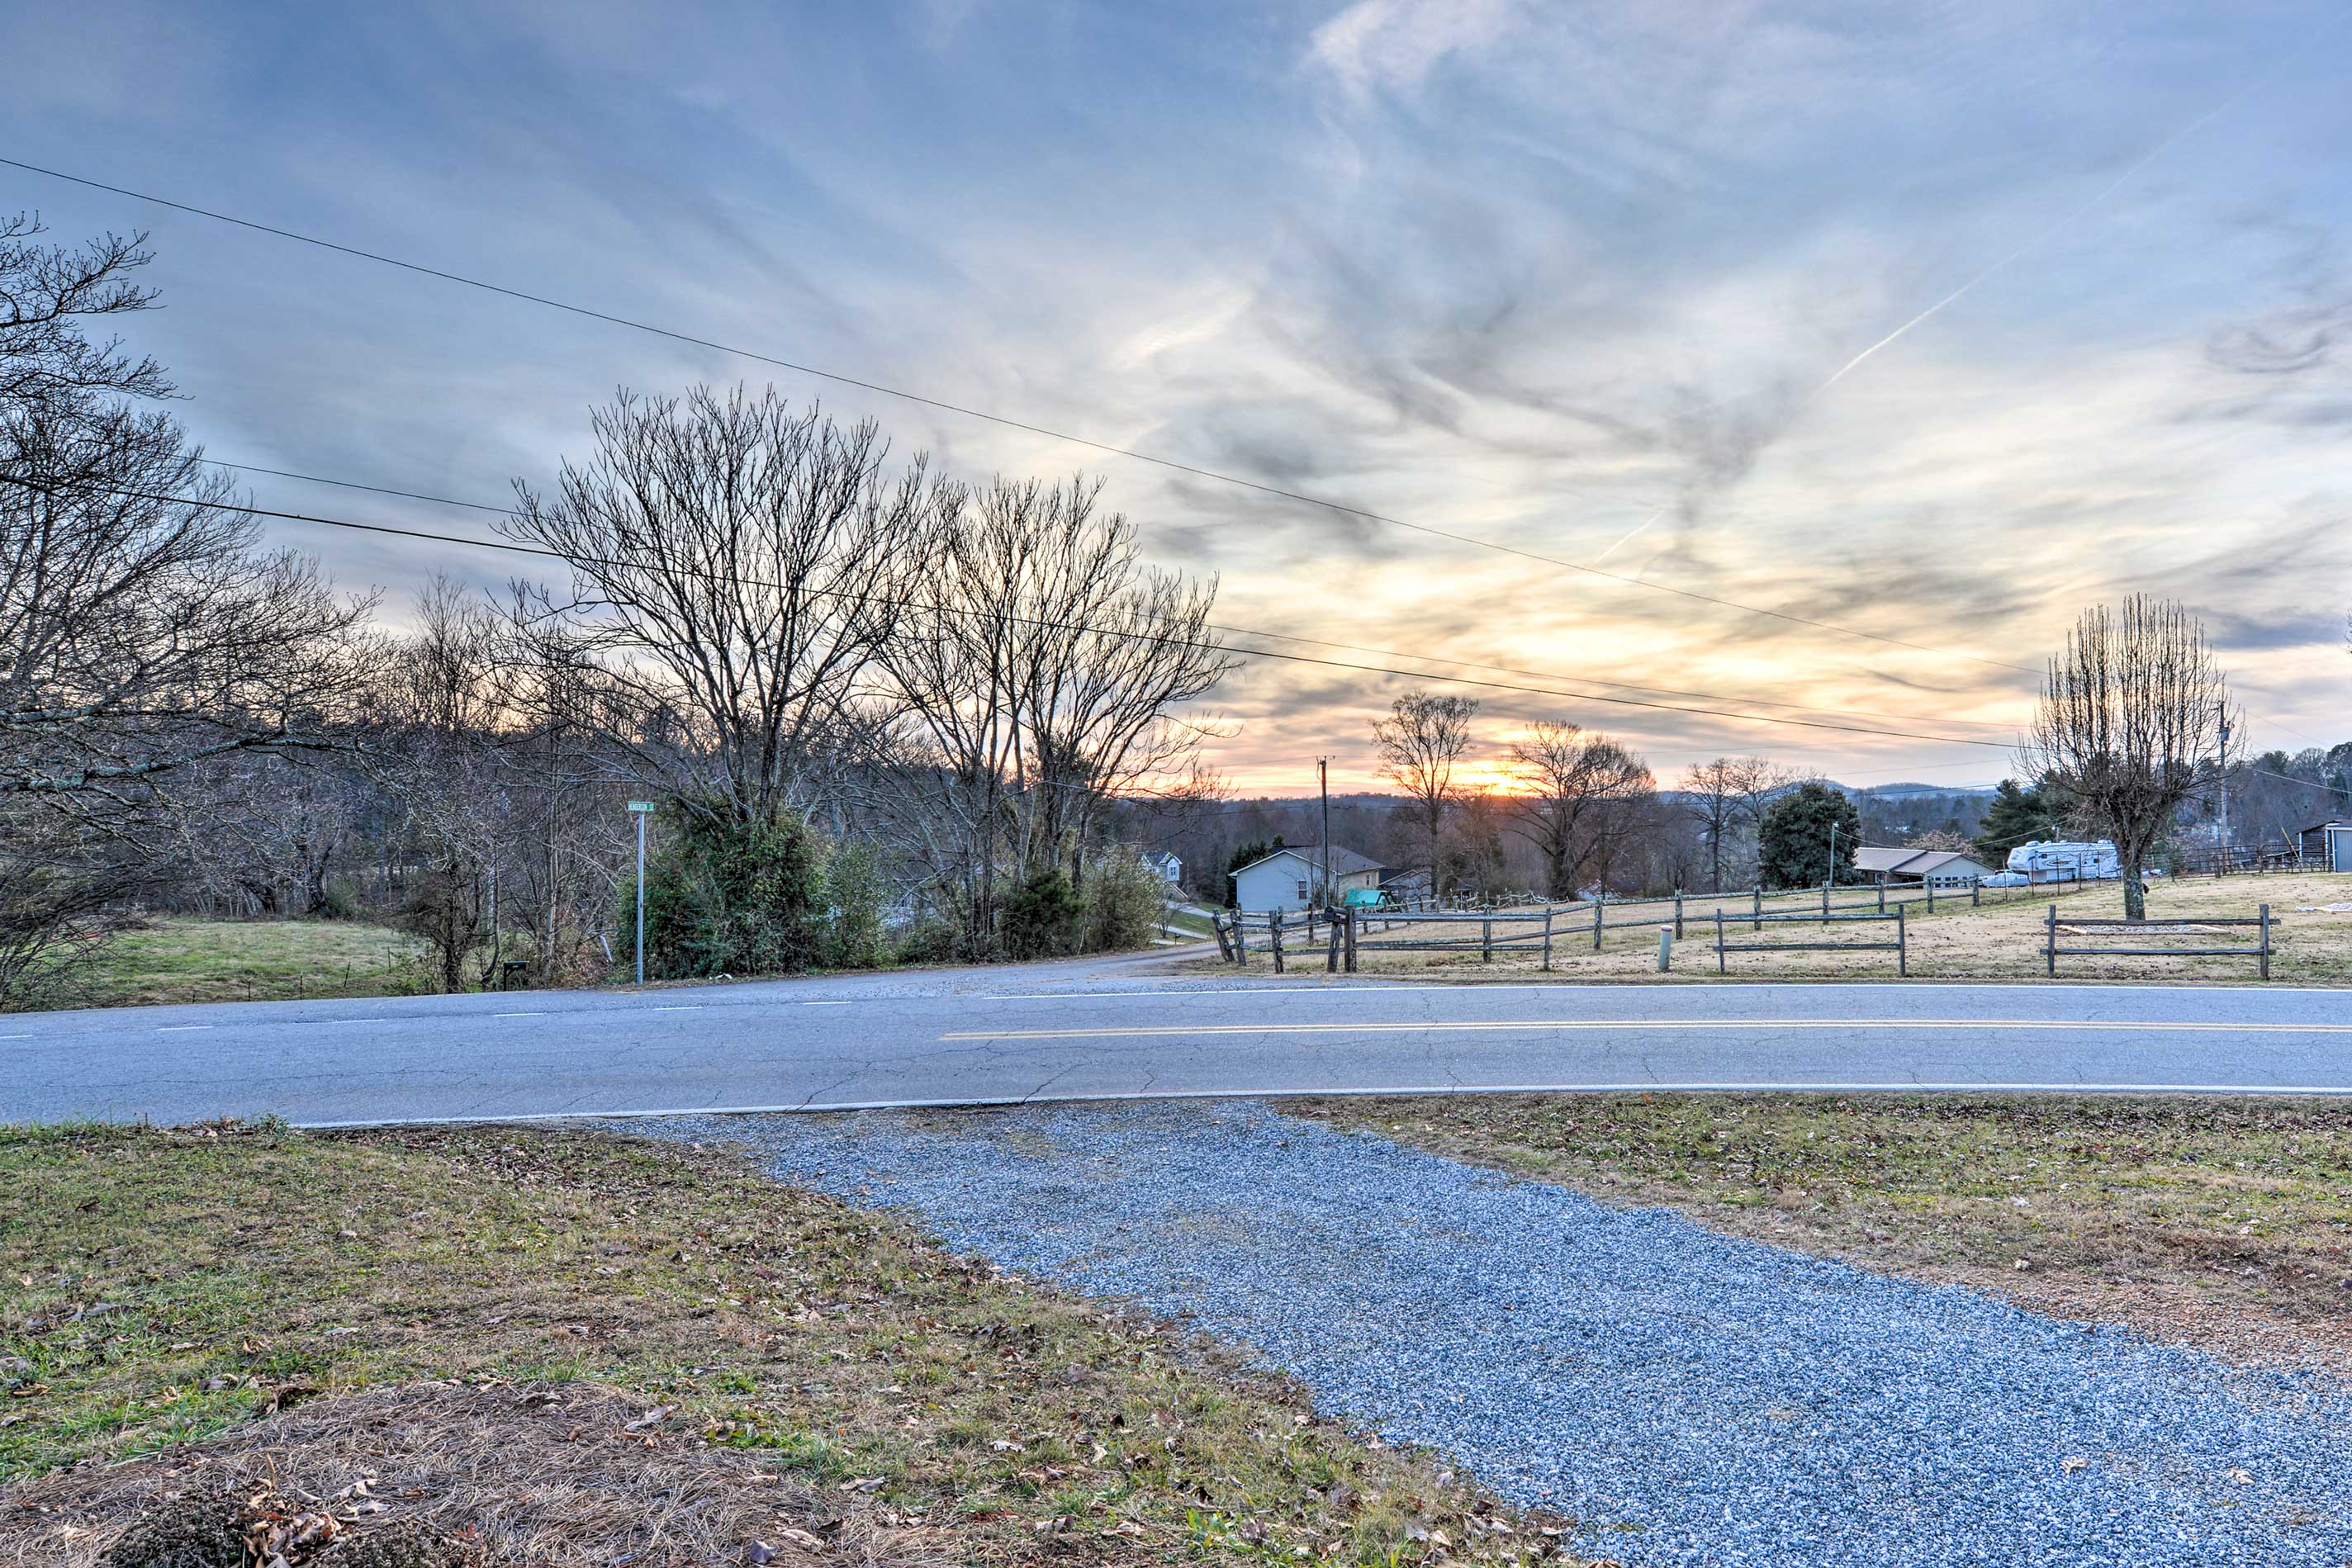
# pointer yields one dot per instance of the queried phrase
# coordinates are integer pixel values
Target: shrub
(729, 897)
(1042, 916)
(1124, 898)
(854, 891)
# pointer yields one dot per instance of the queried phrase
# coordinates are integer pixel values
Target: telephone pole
(2223, 783)
(1323, 783)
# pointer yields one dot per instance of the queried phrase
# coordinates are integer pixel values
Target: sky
(1936, 323)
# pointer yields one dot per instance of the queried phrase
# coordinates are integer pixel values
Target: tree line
(882, 711)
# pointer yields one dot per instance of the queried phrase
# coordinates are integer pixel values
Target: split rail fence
(2259, 950)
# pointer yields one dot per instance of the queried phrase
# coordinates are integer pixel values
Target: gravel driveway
(1694, 1398)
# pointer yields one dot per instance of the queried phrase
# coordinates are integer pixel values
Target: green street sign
(641, 805)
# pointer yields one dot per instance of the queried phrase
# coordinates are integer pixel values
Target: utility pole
(641, 810)
(2223, 783)
(1828, 872)
(1323, 782)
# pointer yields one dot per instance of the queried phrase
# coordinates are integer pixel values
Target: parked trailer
(2066, 860)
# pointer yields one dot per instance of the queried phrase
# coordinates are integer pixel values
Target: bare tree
(1423, 740)
(1041, 678)
(47, 293)
(1726, 798)
(737, 568)
(1571, 779)
(2129, 723)
(142, 627)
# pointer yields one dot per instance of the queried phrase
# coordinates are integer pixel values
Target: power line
(967, 412)
(512, 548)
(1240, 630)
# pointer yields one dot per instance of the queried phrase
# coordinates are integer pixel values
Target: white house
(1290, 879)
(1171, 869)
(1938, 868)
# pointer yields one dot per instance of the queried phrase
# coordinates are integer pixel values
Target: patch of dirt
(442, 1476)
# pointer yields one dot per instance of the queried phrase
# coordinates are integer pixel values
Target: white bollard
(1665, 949)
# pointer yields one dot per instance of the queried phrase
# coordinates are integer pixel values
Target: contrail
(2112, 186)
(1639, 530)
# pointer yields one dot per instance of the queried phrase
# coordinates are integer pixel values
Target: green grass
(838, 1344)
(2224, 1220)
(180, 959)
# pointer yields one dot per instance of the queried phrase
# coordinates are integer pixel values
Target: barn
(2327, 845)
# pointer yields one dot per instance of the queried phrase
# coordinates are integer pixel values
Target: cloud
(1392, 46)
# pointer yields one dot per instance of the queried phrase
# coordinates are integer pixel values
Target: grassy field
(580, 1347)
(1996, 940)
(2221, 1222)
(177, 959)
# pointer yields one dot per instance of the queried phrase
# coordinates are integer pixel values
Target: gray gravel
(1693, 1397)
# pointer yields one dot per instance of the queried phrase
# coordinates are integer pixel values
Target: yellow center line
(1569, 1026)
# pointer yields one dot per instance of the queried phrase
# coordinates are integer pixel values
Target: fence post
(1931, 896)
(1241, 938)
(1486, 940)
(2050, 946)
(1217, 925)
(1902, 948)
(1274, 938)
(1597, 905)
(1331, 943)
(2267, 941)
(1348, 957)
(1758, 913)
(1719, 938)
(1976, 893)
(1678, 911)
(1825, 903)
(1882, 899)
(1547, 956)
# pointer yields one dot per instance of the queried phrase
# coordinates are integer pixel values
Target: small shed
(1936, 868)
(2327, 846)
(1292, 877)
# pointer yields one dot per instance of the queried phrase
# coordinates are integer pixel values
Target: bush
(729, 897)
(854, 891)
(1043, 917)
(1124, 899)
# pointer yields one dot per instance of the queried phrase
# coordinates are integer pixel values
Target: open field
(2222, 1223)
(582, 1347)
(1999, 940)
(174, 959)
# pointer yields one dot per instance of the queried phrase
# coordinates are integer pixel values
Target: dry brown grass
(565, 1474)
(160, 1292)
(2223, 1223)
(1998, 941)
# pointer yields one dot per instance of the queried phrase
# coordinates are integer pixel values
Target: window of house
(1302, 887)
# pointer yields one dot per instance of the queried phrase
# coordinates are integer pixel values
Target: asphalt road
(1117, 1029)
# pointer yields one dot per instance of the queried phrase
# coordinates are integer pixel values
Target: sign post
(641, 810)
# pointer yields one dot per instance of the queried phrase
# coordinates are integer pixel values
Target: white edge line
(1360, 985)
(1410, 1090)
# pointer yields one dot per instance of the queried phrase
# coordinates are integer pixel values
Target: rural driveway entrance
(1689, 1397)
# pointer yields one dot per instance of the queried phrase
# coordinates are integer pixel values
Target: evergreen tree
(2019, 814)
(1793, 846)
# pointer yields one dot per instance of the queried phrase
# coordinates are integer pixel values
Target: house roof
(1345, 861)
(1905, 861)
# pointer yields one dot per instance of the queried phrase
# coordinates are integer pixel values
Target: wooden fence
(2259, 952)
(1900, 946)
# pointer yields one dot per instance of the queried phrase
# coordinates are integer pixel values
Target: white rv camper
(2056, 862)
